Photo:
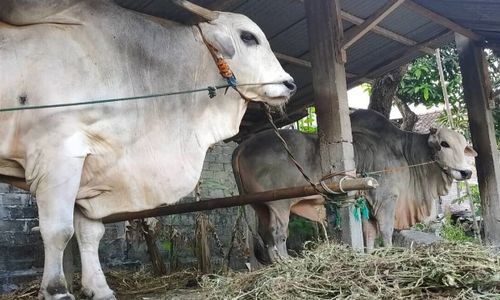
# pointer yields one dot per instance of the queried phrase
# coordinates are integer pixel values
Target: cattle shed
(329, 46)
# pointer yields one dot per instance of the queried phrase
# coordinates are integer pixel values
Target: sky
(358, 98)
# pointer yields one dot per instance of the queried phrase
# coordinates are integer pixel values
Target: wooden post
(202, 247)
(481, 123)
(330, 96)
(157, 261)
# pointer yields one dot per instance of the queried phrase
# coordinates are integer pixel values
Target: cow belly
(139, 184)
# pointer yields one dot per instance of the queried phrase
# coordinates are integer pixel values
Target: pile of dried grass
(122, 282)
(464, 271)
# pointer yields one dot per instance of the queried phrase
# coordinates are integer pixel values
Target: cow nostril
(290, 85)
(466, 174)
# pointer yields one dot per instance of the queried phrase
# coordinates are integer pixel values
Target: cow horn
(207, 14)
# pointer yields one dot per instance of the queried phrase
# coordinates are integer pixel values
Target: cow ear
(222, 42)
(469, 151)
(433, 140)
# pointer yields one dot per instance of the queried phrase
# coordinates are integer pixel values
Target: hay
(122, 282)
(445, 271)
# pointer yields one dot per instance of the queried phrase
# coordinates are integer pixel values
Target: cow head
(245, 48)
(450, 149)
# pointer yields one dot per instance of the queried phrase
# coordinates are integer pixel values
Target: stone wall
(21, 249)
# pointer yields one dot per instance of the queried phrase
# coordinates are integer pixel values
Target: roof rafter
(385, 32)
(404, 58)
(355, 33)
(300, 62)
(443, 21)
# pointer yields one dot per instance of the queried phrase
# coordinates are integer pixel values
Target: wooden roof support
(300, 62)
(439, 19)
(385, 32)
(405, 57)
(355, 33)
(330, 95)
(482, 127)
(293, 60)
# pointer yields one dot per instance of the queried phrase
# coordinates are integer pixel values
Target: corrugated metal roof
(284, 23)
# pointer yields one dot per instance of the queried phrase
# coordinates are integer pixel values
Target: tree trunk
(409, 117)
(384, 90)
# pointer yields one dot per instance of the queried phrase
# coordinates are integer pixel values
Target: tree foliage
(308, 123)
(421, 85)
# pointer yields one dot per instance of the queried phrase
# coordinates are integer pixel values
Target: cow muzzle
(278, 93)
(466, 174)
(460, 174)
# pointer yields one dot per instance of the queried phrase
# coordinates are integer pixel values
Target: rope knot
(212, 91)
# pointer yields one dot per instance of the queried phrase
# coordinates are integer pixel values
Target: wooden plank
(301, 62)
(443, 21)
(293, 60)
(482, 127)
(355, 33)
(330, 95)
(385, 32)
(366, 183)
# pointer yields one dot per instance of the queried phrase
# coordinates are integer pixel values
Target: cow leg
(385, 220)
(273, 229)
(279, 218)
(56, 192)
(369, 234)
(89, 233)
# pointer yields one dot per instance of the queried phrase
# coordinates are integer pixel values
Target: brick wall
(21, 249)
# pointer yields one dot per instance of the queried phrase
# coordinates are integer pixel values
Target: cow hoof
(67, 296)
(104, 295)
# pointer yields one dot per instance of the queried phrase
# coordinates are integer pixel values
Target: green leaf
(418, 72)
(426, 93)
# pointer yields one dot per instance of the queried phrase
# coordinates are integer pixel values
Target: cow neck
(430, 181)
(221, 115)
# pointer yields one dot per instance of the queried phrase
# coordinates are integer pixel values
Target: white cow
(124, 156)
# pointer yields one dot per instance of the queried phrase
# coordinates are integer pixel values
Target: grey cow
(403, 198)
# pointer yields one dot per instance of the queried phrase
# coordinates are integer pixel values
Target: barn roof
(411, 30)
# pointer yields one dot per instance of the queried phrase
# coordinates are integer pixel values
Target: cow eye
(248, 38)
(445, 145)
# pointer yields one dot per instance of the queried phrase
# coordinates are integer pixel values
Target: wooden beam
(385, 32)
(482, 128)
(300, 62)
(293, 60)
(407, 55)
(330, 95)
(443, 21)
(355, 33)
(367, 183)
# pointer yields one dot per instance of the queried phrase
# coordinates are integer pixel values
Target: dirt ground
(178, 294)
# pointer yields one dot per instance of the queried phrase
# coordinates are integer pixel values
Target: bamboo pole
(273, 195)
